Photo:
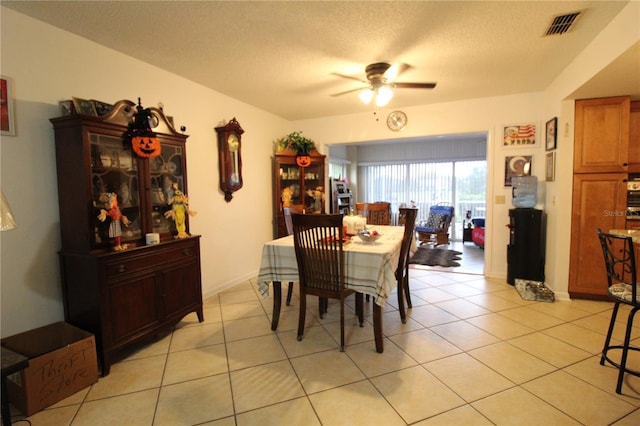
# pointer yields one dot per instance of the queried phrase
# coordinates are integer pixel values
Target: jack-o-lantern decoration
(303, 160)
(144, 142)
(146, 146)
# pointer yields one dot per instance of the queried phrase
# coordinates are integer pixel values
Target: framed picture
(519, 135)
(517, 165)
(83, 106)
(101, 108)
(7, 120)
(66, 107)
(552, 129)
(550, 174)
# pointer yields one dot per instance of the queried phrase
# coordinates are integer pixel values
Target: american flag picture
(519, 135)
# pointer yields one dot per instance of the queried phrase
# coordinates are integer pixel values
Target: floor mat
(436, 257)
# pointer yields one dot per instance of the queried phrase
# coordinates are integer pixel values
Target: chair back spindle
(402, 272)
(378, 213)
(318, 243)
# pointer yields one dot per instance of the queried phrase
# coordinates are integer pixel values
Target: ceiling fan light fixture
(391, 72)
(366, 95)
(383, 96)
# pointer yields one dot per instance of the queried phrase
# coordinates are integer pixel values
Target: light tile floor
(472, 353)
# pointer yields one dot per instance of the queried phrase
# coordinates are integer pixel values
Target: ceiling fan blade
(349, 77)
(348, 91)
(414, 85)
(395, 70)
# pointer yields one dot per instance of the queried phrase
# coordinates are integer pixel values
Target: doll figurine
(116, 216)
(287, 194)
(179, 211)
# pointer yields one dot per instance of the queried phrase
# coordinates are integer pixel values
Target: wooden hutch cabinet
(122, 296)
(606, 151)
(299, 185)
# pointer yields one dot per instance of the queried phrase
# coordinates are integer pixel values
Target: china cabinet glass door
(167, 176)
(114, 170)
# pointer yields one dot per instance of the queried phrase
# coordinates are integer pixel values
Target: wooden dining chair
(318, 240)
(623, 288)
(378, 213)
(402, 272)
(288, 223)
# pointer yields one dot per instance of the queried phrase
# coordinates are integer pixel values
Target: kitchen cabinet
(634, 138)
(129, 293)
(296, 185)
(606, 150)
(599, 201)
(602, 135)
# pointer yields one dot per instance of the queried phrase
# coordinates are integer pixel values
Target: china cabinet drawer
(153, 259)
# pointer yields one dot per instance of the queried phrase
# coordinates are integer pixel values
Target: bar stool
(620, 262)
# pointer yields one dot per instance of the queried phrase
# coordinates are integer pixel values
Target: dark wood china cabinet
(129, 295)
(297, 185)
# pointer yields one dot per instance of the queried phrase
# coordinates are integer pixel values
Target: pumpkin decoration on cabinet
(144, 141)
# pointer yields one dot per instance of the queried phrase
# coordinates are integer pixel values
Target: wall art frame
(517, 165)
(550, 169)
(519, 135)
(102, 108)
(551, 134)
(7, 117)
(84, 106)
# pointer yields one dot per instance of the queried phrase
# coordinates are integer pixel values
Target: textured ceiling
(282, 56)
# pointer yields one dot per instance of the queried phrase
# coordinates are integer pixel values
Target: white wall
(490, 114)
(620, 35)
(487, 115)
(49, 65)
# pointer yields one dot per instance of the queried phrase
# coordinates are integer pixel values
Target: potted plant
(298, 143)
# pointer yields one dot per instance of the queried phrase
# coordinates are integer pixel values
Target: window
(338, 170)
(461, 183)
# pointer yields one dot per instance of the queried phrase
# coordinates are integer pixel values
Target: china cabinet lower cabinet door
(130, 296)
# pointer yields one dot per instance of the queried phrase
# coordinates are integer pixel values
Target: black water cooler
(525, 252)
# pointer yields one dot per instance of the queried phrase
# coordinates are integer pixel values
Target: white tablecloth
(369, 268)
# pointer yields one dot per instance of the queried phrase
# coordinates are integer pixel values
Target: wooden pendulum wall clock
(229, 158)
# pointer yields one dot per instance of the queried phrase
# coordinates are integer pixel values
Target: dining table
(369, 269)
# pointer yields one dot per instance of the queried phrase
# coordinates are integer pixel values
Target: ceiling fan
(380, 76)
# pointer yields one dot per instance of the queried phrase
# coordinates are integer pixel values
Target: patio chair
(437, 225)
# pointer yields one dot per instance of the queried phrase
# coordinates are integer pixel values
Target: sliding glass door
(461, 183)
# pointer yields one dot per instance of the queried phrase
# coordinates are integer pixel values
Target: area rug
(435, 257)
(534, 290)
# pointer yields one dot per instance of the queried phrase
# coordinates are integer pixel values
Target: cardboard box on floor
(62, 361)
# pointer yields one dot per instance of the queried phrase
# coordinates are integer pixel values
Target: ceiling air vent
(561, 24)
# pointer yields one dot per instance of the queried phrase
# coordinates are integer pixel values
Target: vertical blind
(460, 183)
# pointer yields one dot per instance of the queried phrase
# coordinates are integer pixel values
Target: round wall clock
(396, 120)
